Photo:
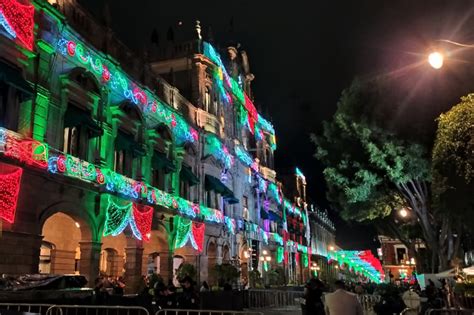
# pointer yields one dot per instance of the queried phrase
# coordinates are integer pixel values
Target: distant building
(397, 263)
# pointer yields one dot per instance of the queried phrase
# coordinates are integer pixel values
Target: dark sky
(303, 53)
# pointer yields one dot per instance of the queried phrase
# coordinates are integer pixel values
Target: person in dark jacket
(189, 299)
(313, 297)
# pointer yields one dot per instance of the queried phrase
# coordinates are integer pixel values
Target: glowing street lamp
(435, 59)
(403, 213)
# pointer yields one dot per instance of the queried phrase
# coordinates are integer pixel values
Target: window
(123, 155)
(245, 201)
(184, 189)
(210, 199)
(78, 128)
(401, 255)
(8, 107)
(72, 140)
(207, 100)
(156, 178)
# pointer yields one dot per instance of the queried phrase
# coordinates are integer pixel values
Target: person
(341, 302)
(313, 294)
(204, 287)
(189, 298)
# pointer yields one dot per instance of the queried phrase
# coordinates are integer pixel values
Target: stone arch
(132, 111)
(166, 135)
(226, 255)
(108, 262)
(63, 232)
(116, 261)
(244, 262)
(88, 226)
(155, 252)
(211, 252)
(85, 79)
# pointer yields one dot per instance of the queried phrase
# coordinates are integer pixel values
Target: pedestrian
(313, 297)
(189, 299)
(204, 287)
(341, 302)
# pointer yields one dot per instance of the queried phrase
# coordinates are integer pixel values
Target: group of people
(339, 302)
(106, 286)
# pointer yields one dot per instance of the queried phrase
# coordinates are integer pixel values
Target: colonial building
(127, 166)
(397, 263)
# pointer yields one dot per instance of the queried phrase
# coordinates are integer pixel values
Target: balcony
(209, 122)
(268, 173)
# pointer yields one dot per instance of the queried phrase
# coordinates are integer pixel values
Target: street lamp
(403, 212)
(435, 59)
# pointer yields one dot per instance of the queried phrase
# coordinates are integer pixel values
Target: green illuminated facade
(126, 174)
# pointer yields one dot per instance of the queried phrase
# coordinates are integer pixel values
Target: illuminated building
(115, 165)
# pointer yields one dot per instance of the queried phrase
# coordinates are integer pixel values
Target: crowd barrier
(25, 308)
(205, 312)
(96, 310)
(450, 312)
(273, 298)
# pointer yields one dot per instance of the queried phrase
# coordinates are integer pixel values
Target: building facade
(397, 263)
(122, 165)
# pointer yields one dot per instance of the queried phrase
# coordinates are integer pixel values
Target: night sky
(304, 53)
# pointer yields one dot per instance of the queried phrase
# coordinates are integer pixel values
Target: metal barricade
(25, 307)
(273, 298)
(96, 310)
(450, 312)
(368, 301)
(410, 311)
(204, 312)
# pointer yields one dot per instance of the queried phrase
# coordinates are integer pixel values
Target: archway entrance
(211, 263)
(60, 252)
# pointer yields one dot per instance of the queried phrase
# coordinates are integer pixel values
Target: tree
(453, 170)
(225, 274)
(369, 170)
(186, 270)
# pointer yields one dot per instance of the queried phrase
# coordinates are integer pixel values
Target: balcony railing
(208, 122)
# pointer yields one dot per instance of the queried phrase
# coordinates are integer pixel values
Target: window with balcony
(13, 90)
(79, 127)
(207, 99)
(161, 167)
(123, 155)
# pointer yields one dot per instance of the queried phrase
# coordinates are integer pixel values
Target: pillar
(166, 265)
(19, 252)
(133, 266)
(203, 268)
(90, 260)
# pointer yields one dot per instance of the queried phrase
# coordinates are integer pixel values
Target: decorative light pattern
(186, 230)
(116, 218)
(110, 75)
(183, 230)
(215, 147)
(197, 241)
(6, 26)
(18, 20)
(300, 175)
(276, 238)
(10, 179)
(362, 262)
(248, 113)
(230, 224)
(141, 223)
(275, 193)
(280, 254)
